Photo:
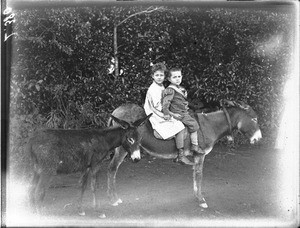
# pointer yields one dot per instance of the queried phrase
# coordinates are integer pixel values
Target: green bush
(61, 60)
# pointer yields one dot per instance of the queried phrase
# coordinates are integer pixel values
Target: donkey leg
(40, 191)
(83, 182)
(96, 204)
(32, 189)
(94, 174)
(118, 158)
(197, 179)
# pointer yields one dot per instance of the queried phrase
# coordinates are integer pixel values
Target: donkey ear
(228, 102)
(140, 122)
(122, 123)
(242, 105)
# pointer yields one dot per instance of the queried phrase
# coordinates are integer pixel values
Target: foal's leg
(43, 184)
(32, 196)
(94, 174)
(83, 182)
(197, 179)
(118, 158)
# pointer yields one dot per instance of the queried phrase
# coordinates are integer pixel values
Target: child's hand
(177, 116)
(167, 117)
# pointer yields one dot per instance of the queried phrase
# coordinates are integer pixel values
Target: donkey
(213, 126)
(69, 151)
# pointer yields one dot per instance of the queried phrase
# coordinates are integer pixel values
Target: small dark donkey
(69, 151)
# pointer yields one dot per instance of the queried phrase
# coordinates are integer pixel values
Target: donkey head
(131, 138)
(247, 121)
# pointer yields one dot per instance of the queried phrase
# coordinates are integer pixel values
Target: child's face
(175, 78)
(159, 76)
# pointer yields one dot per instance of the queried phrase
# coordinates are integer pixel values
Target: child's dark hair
(158, 66)
(173, 70)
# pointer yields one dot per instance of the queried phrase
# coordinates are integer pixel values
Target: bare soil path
(237, 185)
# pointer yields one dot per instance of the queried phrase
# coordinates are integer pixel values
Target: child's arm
(176, 116)
(154, 109)
(167, 97)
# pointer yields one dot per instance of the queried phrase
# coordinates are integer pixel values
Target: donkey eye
(130, 140)
(254, 120)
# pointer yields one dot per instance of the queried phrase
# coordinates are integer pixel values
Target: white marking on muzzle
(136, 155)
(256, 136)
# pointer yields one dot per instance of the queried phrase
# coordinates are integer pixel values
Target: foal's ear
(122, 123)
(228, 102)
(243, 105)
(140, 122)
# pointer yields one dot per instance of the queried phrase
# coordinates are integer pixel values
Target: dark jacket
(174, 101)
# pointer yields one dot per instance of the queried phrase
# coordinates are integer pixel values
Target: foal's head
(247, 122)
(131, 138)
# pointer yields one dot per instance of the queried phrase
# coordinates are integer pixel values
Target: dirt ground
(240, 187)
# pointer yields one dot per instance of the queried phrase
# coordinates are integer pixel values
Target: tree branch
(149, 10)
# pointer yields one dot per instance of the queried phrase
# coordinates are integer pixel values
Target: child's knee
(194, 128)
(194, 138)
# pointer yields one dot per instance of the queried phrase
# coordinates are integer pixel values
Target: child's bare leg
(194, 141)
(193, 127)
(179, 140)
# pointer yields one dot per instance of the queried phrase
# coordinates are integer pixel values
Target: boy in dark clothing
(174, 103)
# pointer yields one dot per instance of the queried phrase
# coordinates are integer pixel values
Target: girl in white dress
(163, 129)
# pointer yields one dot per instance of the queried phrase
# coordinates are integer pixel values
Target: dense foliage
(62, 59)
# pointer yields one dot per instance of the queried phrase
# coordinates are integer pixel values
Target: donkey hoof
(117, 202)
(203, 204)
(81, 213)
(102, 216)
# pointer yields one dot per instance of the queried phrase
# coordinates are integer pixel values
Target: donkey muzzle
(136, 156)
(256, 137)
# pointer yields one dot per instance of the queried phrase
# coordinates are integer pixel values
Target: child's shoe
(195, 148)
(183, 159)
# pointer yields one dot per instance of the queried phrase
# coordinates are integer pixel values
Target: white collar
(178, 90)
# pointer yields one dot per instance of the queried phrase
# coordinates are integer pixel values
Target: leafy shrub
(62, 57)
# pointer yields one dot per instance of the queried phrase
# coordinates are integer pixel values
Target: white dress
(165, 128)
